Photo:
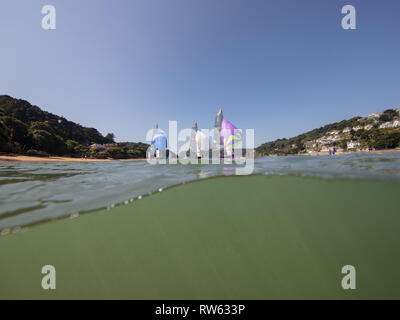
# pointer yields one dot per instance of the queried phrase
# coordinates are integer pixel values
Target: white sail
(201, 143)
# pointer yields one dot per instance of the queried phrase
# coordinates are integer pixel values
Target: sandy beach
(20, 158)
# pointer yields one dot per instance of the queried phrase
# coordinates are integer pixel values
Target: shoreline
(385, 151)
(22, 158)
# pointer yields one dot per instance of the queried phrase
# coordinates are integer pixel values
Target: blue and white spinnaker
(159, 142)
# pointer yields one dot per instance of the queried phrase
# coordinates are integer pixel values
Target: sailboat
(159, 142)
(197, 142)
(226, 136)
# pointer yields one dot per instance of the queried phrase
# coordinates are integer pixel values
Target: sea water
(33, 192)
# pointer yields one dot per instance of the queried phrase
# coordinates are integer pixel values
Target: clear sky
(281, 67)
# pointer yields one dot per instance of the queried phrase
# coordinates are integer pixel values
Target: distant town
(377, 131)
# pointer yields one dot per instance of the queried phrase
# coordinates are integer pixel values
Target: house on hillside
(368, 127)
(358, 128)
(353, 144)
(97, 146)
(346, 130)
(334, 132)
(396, 123)
(386, 125)
(375, 115)
(324, 141)
(337, 138)
(310, 144)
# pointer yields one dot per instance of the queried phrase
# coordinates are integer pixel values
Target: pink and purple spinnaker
(231, 136)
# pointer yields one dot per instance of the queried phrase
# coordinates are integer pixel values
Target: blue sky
(281, 67)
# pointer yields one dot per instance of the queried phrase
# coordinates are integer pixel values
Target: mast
(216, 145)
(193, 144)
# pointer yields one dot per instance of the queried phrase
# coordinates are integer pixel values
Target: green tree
(53, 144)
(110, 138)
(4, 133)
(30, 127)
(388, 115)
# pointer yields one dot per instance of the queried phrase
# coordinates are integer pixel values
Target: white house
(386, 125)
(334, 132)
(368, 127)
(358, 128)
(375, 115)
(310, 144)
(97, 146)
(324, 141)
(337, 138)
(396, 123)
(353, 144)
(346, 130)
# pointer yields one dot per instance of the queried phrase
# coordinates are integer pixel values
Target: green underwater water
(253, 237)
